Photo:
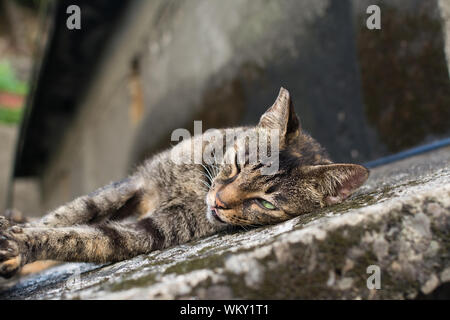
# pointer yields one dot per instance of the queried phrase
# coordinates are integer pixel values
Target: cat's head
(305, 180)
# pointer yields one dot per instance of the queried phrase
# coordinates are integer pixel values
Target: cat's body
(163, 204)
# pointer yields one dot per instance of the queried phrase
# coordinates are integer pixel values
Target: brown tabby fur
(164, 204)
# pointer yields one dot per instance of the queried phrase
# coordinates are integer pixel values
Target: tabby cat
(164, 204)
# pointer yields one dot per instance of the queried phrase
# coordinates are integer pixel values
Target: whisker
(208, 172)
(203, 174)
(216, 169)
(207, 177)
(206, 184)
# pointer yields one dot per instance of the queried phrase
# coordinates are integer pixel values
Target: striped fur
(163, 204)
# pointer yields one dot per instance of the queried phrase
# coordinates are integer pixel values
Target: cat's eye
(266, 204)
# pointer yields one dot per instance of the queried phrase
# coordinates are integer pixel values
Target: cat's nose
(219, 203)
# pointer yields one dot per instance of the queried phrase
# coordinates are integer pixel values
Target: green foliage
(10, 116)
(8, 80)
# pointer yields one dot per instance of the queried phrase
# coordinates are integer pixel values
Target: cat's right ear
(336, 182)
(281, 115)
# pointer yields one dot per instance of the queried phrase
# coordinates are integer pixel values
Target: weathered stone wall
(404, 75)
(399, 221)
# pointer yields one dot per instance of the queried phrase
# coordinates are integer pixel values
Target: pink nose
(220, 203)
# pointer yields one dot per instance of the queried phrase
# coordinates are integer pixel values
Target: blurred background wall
(109, 95)
(19, 34)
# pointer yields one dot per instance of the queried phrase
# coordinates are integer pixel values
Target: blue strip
(408, 153)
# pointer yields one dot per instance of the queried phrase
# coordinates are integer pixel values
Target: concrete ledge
(399, 221)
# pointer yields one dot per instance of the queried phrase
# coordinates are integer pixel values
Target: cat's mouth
(213, 210)
(218, 211)
(215, 215)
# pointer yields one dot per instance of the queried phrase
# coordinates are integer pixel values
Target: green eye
(267, 204)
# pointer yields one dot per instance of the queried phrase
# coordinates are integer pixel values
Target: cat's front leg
(115, 201)
(108, 242)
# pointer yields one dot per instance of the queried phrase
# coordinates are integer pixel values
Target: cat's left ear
(337, 182)
(281, 115)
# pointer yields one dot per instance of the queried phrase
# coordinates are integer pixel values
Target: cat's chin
(213, 218)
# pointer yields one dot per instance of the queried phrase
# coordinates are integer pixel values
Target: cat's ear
(281, 115)
(337, 182)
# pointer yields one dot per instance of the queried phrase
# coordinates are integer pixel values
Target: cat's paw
(10, 218)
(4, 223)
(11, 257)
(15, 216)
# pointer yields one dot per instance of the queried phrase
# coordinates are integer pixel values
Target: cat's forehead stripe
(272, 189)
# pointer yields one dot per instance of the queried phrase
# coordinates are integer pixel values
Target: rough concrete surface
(399, 221)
